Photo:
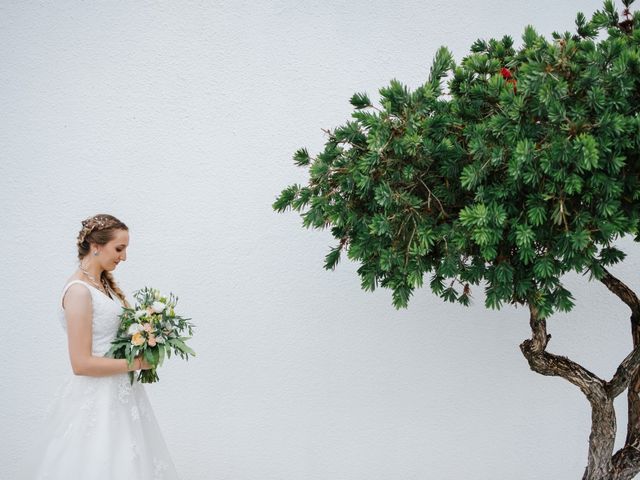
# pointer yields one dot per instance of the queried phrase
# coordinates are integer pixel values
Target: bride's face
(115, 251)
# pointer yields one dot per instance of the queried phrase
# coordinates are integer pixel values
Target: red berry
(506, 73)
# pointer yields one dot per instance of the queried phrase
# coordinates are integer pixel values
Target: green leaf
(383, 195)
(386, 260)
(286, 197)
(380, 226)
(161, 354)
(573, 184)
(147, 353)
(479, 46)
(449, 294)
(543, 267)
(437, 284)
(529, 37)
(415, 279)
(522, 156)
(563, 299)
(470, 176)
(492, 299)
(498, 214)
(474, 215)
(401, 295)
(504, 272)
(301, 157)
(482, 236)
(332, 258)
(537, 214)
(611, 255)
(580, 239)
(368, 280)
(442, 63)
(587, 149)
(183, 347)
(360, 101)
(395, 96)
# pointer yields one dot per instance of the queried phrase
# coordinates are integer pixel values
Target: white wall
(181, 118)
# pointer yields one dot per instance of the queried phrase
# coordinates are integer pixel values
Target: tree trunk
(601, 463)
(626, 461)
(601, 440)
(633, 394)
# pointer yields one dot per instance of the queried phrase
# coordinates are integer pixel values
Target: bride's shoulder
(73, 279)
(75, 289)
(75, 283)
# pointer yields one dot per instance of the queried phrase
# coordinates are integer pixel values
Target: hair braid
(106, 276)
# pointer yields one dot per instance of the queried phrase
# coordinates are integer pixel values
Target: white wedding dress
(101, 428)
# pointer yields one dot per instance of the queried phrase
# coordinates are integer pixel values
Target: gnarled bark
(603, 420)
(626, 461)
(601, 463)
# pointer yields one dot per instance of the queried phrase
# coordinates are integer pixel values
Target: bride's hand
(140, 363)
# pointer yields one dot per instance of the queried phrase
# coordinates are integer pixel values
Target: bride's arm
(78, 315)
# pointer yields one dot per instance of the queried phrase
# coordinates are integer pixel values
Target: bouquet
(151, 329)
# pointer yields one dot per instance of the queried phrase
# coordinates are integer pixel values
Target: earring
(95, 253)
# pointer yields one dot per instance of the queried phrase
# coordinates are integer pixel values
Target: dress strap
(66, 287)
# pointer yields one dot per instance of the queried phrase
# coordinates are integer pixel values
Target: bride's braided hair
(99, 230)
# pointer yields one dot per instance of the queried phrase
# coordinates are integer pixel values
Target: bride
(99, 426)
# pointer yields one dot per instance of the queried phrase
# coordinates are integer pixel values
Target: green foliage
(360, 101)
(151, 330)
(525, 169)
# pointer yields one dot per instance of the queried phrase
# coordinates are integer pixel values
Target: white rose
(140, 313)
(134, 328)
(158, 307)
(160, 339)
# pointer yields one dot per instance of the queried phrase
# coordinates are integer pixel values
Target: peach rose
(137, 339)
(152, 340)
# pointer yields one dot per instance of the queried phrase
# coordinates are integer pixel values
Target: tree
(525, 169)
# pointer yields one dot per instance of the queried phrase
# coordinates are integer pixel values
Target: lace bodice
(105, 317)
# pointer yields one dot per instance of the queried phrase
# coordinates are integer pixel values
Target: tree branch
(625, 371)
(629, 366)
(603, 417)
(626, 463)
(549, 364)
(623, 292)
(628, 373)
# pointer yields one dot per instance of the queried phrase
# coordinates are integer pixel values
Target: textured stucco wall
(181, 118)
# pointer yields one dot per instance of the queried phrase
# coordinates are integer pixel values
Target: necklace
(102, 286)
